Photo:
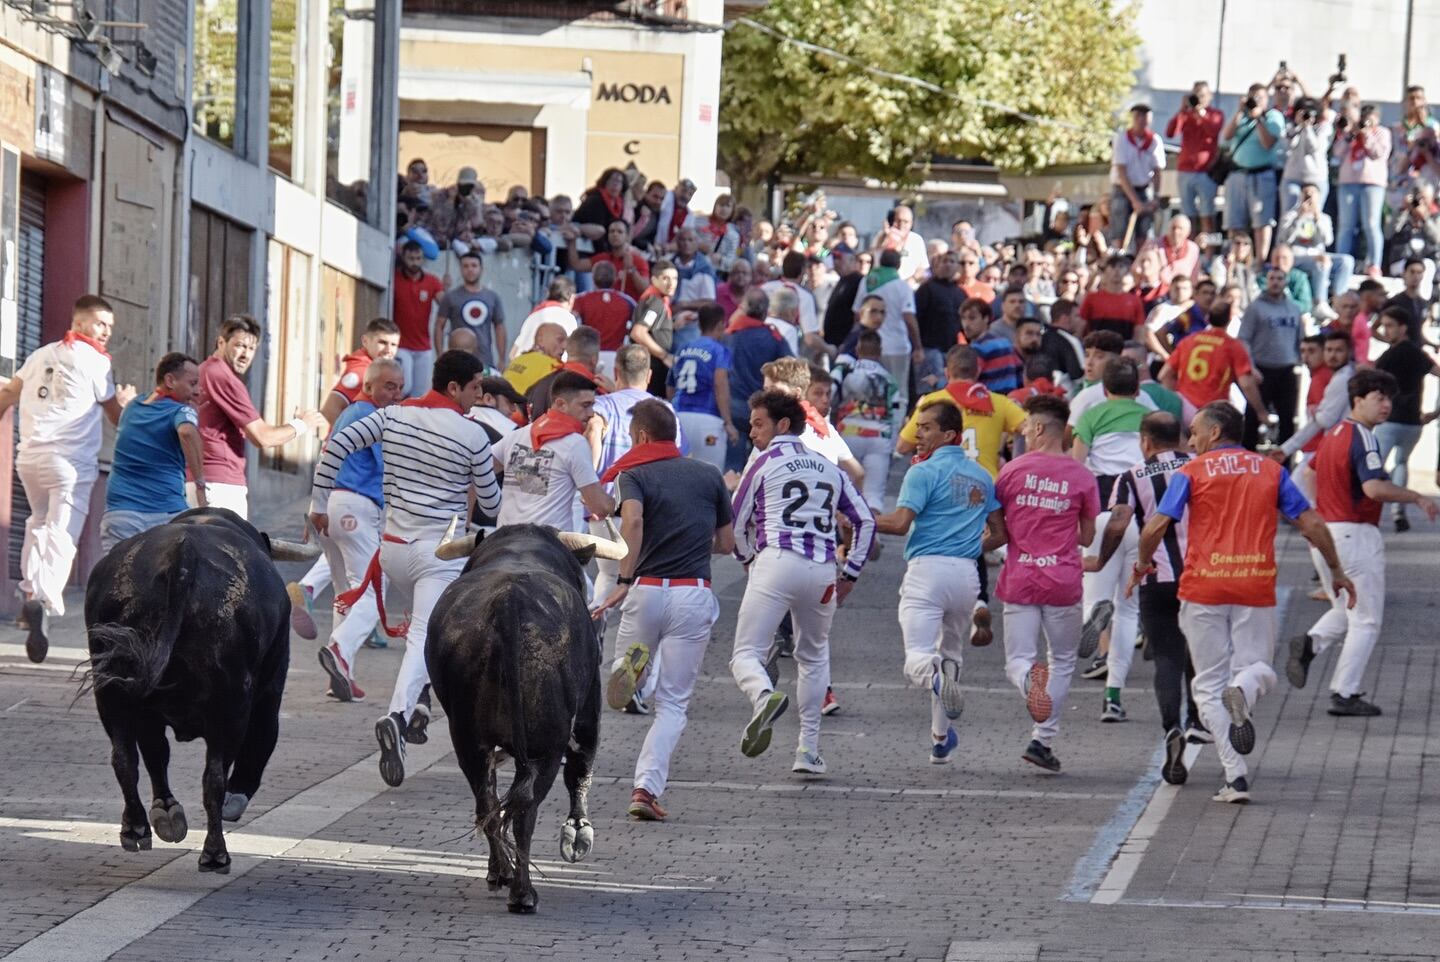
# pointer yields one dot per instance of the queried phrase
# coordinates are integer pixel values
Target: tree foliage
(789, 110)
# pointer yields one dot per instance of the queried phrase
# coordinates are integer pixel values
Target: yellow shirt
(984, 433)
(528, 368)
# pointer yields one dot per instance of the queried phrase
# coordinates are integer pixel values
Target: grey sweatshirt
(1270, 328)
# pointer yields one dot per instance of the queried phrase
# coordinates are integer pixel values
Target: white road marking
(1133, 848)
(1293, 903)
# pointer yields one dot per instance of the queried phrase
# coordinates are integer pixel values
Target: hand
(843, 587)
(315, 419)
(320, 522)
(1277, 455)
(616, 598)
(1429, 507)
(568, 234)
(605, 383)
(685, 318)
(732, 478)
(1135, 577)
(917, 356)
(668, 360)
(124, 394)
(732, 435)
(1339, 583)
(1091, 563)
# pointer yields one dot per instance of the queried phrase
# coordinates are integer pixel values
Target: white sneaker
(808, 762)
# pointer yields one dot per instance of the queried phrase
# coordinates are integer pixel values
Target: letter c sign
(632, 147)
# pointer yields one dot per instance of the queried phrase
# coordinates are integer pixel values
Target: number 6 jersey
(789, 499)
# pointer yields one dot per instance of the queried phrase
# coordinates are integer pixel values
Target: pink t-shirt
(224, 407)
(1044, 497)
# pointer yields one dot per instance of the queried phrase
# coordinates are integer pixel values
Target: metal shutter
(32, 275)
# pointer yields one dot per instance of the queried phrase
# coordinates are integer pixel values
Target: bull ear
(585, 554)
(282, 550)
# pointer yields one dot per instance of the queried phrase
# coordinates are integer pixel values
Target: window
(287, 59)
(350, 103)
(217, 69)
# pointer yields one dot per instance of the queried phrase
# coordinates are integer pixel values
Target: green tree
(790, 110)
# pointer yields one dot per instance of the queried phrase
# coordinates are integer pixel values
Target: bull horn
(282, 550)
(451, 547)
(604, 548)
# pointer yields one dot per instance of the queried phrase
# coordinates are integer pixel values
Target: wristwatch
(622, 580)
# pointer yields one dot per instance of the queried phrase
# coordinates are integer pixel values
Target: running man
(944, 503)
(62, 389)
(870, 404)
(434, 457)
(674, 514)
(1204, 365)
(1049, 504)
(785, 519)
(699, 390)
(1350, 486)
(1227, 587)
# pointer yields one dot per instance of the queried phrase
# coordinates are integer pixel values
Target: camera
(1193, 100)
(1250, 103)
(1338, 77)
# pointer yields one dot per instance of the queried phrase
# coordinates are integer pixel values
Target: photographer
(1414, 236)
(1197, 124)
(1308, 158)
(1254, 135)
(1363, 149)
(1419, 160)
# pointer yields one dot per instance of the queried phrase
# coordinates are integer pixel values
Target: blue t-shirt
(147, 470)
(749, 349)
(364, 471)
(951, 496)
(693, 375)
(1251, 154)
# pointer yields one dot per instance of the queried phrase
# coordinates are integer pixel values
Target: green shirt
(1165, 399)
(1111, 430)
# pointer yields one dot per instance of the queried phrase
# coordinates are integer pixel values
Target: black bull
(515, 661)
(189, 626)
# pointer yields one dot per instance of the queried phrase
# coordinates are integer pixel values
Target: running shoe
(389, 732)
(1098, 668)
(1197, 734)
(983, 633)
(808, 762)
(645, 807)
(1037, 698)
(1302, 652)
(342, 686)
(636, 706)
(625, 678)
(36, 620)
(1242, 729)
(757, 734)
(940, 752)
(1236, 792)
(1353, 706)
(418, 731)
(302, 620)
(1173, 770)
(1095, 626)
(1113, 711)
(830, 705)
(946, 687)
(1041, 757)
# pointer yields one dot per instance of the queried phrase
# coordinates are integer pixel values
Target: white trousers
(937, 598)
(874, 456)
(782, 581)
(1362, 557)
(416, 579)
(59, 494)
(317, 579)
(355, 526)
(606, 573)
(1108, 584)
(1229, 645)
(1061, 624)
(677, 623)
(706, 434)
(236, 497)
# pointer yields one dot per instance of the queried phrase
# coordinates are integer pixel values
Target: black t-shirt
(937, 311)
(1414, 307)
(840, 312)
(684, 502)
(1409, 364)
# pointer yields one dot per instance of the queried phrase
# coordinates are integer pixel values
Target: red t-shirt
(352, 378)
(1319, 379)
(1205, 365)
(628, 284)
(1119, 312)
(224, 408)
(1348, 457)
(1198, 138)
(414, 301)
(609, 312)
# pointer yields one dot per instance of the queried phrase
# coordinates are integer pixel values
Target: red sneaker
(645, 807)
(342, 686)
(1037, 699)
(829, 706)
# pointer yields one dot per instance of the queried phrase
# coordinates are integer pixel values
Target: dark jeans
(1280, 390)
(1160, 620)
(738, 452)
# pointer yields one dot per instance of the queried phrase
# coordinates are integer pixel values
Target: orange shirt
(352, 378)
(1206, 364)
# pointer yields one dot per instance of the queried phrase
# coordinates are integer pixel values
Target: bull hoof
(577, 837)
(215, 862)
(234, 806)
(134, 840)
(168, 820)
(524, 905)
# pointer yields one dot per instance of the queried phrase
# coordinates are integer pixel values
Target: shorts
(1197, 193)
(1250, 199)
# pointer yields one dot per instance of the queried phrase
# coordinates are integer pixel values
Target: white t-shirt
(913, 257)
(832, 447)
(1138, 160)
(899, 300)
(492, 418)
(554, 314)
(1095, 394)
(63, 388)
(540, 486)
(789, 331)
(809, 317)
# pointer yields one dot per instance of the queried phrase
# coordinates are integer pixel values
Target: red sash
(641, 454)
(346, 600)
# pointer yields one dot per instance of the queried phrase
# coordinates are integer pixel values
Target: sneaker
(1037, 698)
(1302, 652)
(940, 752)
(645, 807)
(376, 639)
(830, 705)
(1198, 734)
(772, 665)
(625, 678)
(983, 633)
(302, 621)
(636, 706)
(389, 733)
(757, 734)
(785, 644)
(946, 687)
(36, 619)
(1242, 729)
(1095, 626)
(808, 762)
(1041, 757)
(1324, 312)
(1173, 770)
(342, 686)
(1098, 668)
(1352, 706)
(1402, 524)
(1236, 792)
(1113, 711)
(417, 732)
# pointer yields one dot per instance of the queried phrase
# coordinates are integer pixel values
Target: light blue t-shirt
(951, 496)
(364, 471)
(147, 471)
(1252, 154)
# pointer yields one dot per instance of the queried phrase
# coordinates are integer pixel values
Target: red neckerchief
(363, 398)
(544, 304)
(638, 455)
(921, 458)
(1043, 385)
(552, 426)
(580, 369)
(971, 396)
(432, 399)
(747, 323)
(717, 226)
(652, 291)
(677, 219)
(616, 207)
(812, 417)
(72, 336)
(1357, 149)
(1142, 144)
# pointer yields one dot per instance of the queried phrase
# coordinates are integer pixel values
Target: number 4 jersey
(1206, 364)
(789, 499)
(693, 375)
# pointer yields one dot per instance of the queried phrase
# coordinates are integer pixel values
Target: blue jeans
(1360, 210)
(1401, 439)
(116, 526)
(1250, 199)
(1120, 217)
(1323, 283)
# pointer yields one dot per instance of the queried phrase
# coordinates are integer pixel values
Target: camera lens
(1250, 103)
(1194, 100)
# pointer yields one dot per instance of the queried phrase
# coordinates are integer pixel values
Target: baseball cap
(500, 387)
(467, 176)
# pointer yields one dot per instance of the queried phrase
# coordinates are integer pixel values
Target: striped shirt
(433, 456)
(1143, 487)
(614, 409)
(789, 499)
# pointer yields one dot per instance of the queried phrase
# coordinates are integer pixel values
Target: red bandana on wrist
(641, 454)
(72, 336)
(432, 399)
(552, 426)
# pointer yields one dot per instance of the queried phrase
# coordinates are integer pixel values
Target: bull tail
(129, 663)
(506, 612)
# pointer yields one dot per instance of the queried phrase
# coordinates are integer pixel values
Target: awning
(491, 87)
